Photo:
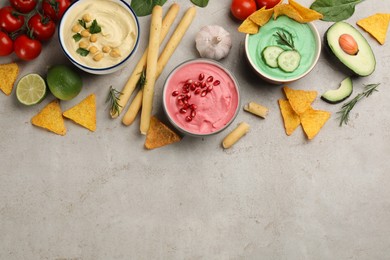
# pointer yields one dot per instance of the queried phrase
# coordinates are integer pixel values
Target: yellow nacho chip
(8, 75)
(159, 135)
(307, 14)
(261, 16)
(248, 26)
(288, 10)
(50, 118)
(290, 118)
(376, 25)
(313, 120)
(84, 113)
(300, 100)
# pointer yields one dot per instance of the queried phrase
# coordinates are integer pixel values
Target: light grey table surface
(102, 195)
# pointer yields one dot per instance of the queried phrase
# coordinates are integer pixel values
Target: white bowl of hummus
(99, 36)
(306, 42)
(201, 97)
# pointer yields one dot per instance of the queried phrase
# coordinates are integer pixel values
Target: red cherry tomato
(27, 48)
(55, 8)
(42, 27)
(241, 9)
(10, 22)
(6, 44)
(23, 6)
(267, 3)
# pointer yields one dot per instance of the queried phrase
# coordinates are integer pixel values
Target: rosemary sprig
(285, 38)
(112, 98)
(347, 107)
(142, 80)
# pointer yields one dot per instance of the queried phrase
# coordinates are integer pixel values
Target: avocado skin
(335, 102)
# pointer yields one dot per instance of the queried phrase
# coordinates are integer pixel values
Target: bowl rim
(207, 61)
(85, 67)
(317, 39)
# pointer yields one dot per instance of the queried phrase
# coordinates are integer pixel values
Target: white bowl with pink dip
(201, 97)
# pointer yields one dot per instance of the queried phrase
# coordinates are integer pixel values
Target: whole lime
(63, 82)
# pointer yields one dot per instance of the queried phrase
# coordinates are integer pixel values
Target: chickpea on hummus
(99, 33)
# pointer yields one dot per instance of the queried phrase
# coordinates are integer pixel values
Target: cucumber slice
(271, 54)
(335, 96)
(288, 61)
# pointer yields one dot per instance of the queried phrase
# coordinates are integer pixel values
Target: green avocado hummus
(304, 42)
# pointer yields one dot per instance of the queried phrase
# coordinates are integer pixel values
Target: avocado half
(361, 63)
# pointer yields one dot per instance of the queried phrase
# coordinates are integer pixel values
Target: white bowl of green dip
(306, 40)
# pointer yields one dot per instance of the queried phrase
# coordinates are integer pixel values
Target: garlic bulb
(213, 42)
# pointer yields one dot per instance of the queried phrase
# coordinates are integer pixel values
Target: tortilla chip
(288, 10)
(8, 75)
(307, 14)
(313, 120)
(376, 25)
(159, 135)
(261, 16)
(84, 113)
(290, 118)
(300, 100)
(248, 26)
(50, 118)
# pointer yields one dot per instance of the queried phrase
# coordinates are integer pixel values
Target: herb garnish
(335, 11)
(83, 23)
(285, 38)
(112, 98)
(143, 7)
(95, 28)
(77, 37)
(142, 80)
(347, 107)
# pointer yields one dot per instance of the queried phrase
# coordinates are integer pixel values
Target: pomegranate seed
(189, 81)
(209, 88)
(186, 85)
(193, 87)
(204, 93)
(198, 84)
(180, 102)
(204, 84)
(188, 118)
(216, 83)
(185, 90)
(210, 79)
(180, 97)
(188, 96)
(193, 113)
(201, 76)
(183, 110)
(186, 105)
(175, 93)
(193, 106)
(185, 101)
(197, 91)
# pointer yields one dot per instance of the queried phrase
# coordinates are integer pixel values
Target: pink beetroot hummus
(215, 107)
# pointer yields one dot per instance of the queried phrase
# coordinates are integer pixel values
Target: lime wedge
(31, 89)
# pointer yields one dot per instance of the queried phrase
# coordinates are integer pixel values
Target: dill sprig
(347, 107)
(112, 99)
(285, 38)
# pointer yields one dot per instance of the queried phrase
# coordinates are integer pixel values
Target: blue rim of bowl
(220, 66)
(315, 60)
(106, 68)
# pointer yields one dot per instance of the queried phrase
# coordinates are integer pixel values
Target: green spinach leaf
(77, 37)
(95, 28)
(83, 52)
(200, 3)
(145, 7)
(335, 10)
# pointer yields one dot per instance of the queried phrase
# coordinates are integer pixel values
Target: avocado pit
(348, 44)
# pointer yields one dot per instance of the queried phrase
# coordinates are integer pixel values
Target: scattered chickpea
(76, 28)
(85, 33)
(106, 49)
(115, 53)
(83, 44)
(87, 18)
(98, 57)
(93, 49)
(93, 38)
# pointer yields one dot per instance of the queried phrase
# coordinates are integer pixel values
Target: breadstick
(151, 68)
(135, 76)
(133, 110)
(235, 135)
(175, 39)
(256, 109)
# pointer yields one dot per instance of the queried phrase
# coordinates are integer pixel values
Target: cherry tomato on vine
(267, 3)
(6, 44)
(42, 27)
(55, 8)
(10, 22)
(241, 9)
(23, 6)
(27, 48)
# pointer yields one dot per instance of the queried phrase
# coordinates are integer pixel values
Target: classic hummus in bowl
(201, 97)
(306, 41)
(99, 36)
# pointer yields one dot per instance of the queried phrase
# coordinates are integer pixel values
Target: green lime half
(63, 82)
(31, 89)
